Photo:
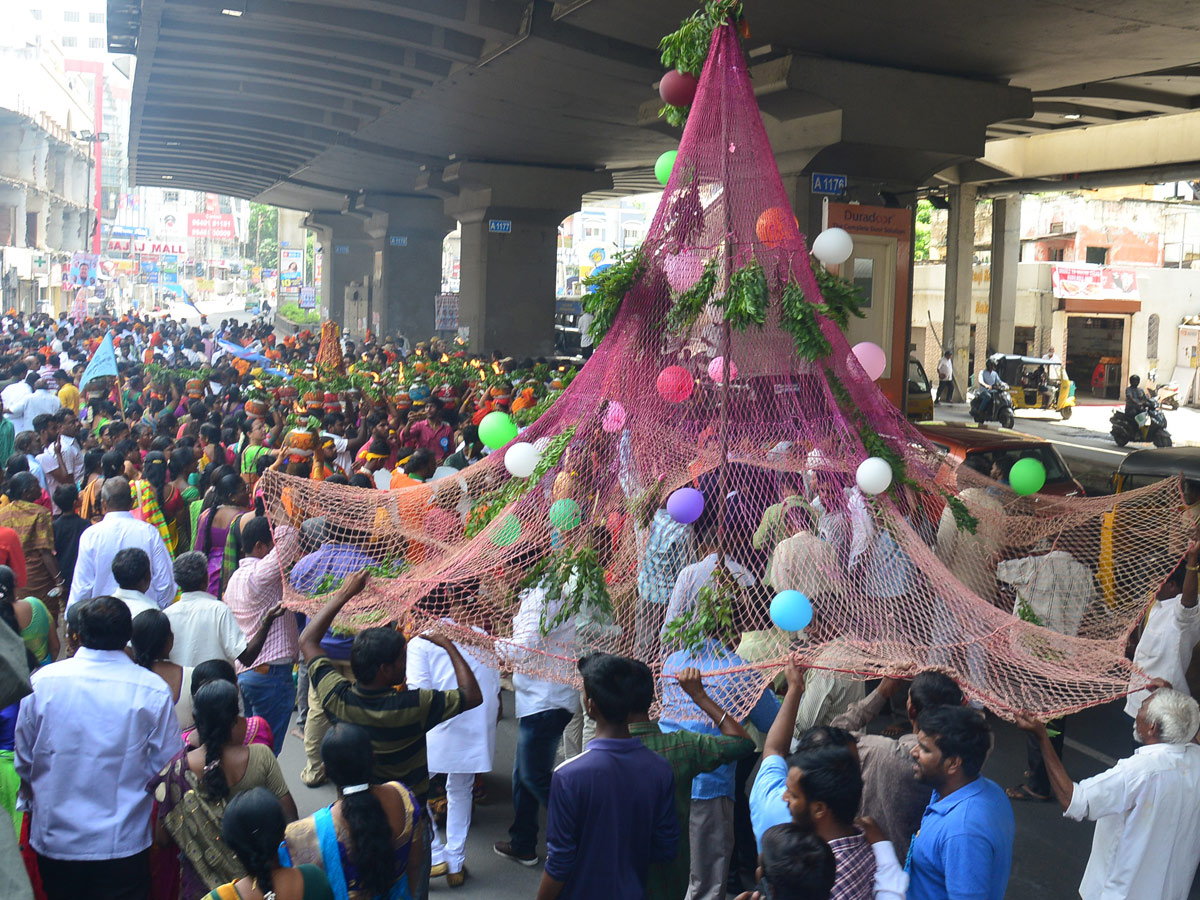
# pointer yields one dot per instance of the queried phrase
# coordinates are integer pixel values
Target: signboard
(291, 271)
(83, 270)
(823, 183)
(129, 231)
(341, 249)
(568, 306)
(500, 226)
(214, 225)
(308, 298)
(318, 267)
(127, 245)
(151, 270)
(168, 266)
(398, 240)
(1080, 281)
(445, 312)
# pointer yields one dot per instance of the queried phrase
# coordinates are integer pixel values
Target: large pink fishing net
(899, 581)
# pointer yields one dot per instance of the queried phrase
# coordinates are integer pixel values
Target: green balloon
(497, 429)
(565, 514)
(664, 165)
(508, 533)
(1027, 476)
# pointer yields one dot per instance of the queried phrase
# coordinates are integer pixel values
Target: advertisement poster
(291, 271)
(1081, 281)
(150, 268)
(214, 226)
(168, 267)
(83, 269)
(445, 312)
(317, 273)
(308, 298)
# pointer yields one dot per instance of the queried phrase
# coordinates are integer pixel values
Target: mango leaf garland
(691, 303)
(745, 301)
(799, 318)
(611, 286)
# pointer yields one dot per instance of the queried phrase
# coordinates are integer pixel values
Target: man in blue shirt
(612, 808)
(710, 826)
(963, 850)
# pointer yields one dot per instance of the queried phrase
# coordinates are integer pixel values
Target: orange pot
(256, 408)
(301, 441)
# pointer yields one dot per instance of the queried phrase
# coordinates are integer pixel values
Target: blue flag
(102, 363)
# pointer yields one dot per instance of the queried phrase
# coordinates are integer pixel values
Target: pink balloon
(674, 384)
(677, 88)
(716, 369)
(614, 417)
(683, 270)
(872, 358)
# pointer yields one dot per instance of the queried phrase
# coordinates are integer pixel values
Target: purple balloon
(685, 505)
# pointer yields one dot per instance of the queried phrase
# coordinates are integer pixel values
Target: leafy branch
(686, 49)
(711, 615)
(963, 519)
(573, 582)
(841, 299)
(691, 303)
(611, 286)
(799, 319)
(746, 299)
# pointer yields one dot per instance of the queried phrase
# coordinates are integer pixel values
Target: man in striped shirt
(397, 720)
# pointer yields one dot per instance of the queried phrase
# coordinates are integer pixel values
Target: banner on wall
(445, 312)
(84, 267)
(216, 226)
(1080, 281)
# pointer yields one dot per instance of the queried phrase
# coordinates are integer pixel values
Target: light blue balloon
(791, 611)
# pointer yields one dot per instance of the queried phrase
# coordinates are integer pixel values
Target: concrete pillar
(960, 253)
(41, 167)
(348, 256)
(10, 151)
(407, 269)
(54, 225)
(27, 163)
(15, 197)
(510, 217)
(1006, 253)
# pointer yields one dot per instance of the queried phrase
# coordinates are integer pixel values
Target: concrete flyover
(385, 120)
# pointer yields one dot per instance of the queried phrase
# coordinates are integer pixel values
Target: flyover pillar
(408, 233)
(347, 257)
(1006, 252)
(960, 257)
(510, 216)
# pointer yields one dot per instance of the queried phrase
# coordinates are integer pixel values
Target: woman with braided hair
(369, 842)
(193, 790)
(253, 829)
(159, 502)
(152, 643)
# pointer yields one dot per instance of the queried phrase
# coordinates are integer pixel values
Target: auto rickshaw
(918, 400)
(1037, 382)
(1119, 531)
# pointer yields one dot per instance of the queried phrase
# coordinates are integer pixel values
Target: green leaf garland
(611, 286)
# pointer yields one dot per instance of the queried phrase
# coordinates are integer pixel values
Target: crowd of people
(151, 675)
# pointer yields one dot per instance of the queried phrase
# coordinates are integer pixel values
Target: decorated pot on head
(256, 409)
(403, 401)
(195, 388)
(332, 403)
(300, 442)
(556, 384)
(418, 392)
(313, 401)
(447, 395)
(289, 394)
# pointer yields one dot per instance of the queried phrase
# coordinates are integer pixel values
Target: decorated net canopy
(726, 371)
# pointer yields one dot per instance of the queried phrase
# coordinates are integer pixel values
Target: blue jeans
(272, 696)
(538, 736)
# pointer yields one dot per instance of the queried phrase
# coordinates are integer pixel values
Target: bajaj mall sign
(126, 245)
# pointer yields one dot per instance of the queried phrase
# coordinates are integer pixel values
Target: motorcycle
(1148, 425)
(998, 406)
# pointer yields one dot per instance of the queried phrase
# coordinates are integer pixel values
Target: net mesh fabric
(897, 584)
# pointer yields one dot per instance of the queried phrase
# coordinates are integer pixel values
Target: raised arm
(1191, 566)
(462, 672)
(310, 637)
(779, 738)
(689, 680)
(250, 654)
(1060, 781)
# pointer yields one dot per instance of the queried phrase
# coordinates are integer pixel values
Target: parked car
(918, 406)
(980, 446)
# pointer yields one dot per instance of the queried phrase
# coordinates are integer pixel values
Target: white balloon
(874, 475)
(833, 246)
(521, 459)
(443, 472)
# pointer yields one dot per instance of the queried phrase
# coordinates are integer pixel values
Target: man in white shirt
(586, 341)
(945, 371)
(62, 457)
(95, 730)
(543, 710)
(101, 543)
(1147, 838)
(16, 396)
(692, 579)
(457, 748)
(1171, 633)
(43, 401)
(131, 571)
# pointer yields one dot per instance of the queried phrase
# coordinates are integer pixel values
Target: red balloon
(675, 384)
(677, 88)
(772, 225)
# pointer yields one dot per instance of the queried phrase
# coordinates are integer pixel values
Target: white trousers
(453, 849)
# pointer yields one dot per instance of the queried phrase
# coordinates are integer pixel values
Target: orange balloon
(771, 226)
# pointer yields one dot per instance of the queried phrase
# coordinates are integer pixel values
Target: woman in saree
(369, 842)
(31, 521)
(112, 464)
(33, 620)
(159, 503)
(193, 790)
(180, 469)
(232, 498)
(253, 828)
(247, 729)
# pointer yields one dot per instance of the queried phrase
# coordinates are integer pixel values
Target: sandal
(1023, 792)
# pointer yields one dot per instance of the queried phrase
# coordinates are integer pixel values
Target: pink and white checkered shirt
(855, 873)
(254, 588)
